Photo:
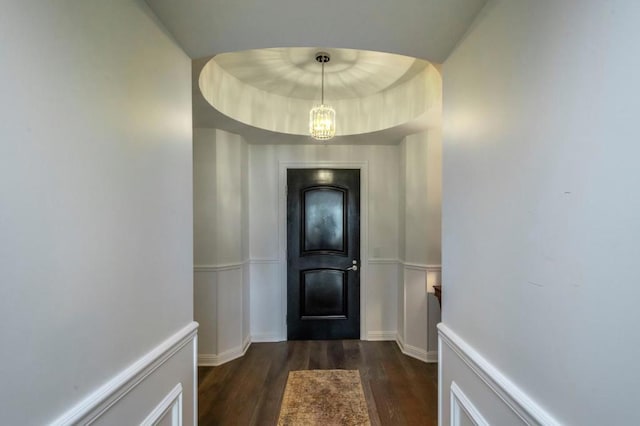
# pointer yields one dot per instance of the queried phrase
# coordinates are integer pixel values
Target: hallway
(399, 390)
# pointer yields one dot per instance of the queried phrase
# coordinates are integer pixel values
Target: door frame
(283, 166)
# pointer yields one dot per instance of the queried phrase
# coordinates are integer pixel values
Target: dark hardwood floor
(399, 390)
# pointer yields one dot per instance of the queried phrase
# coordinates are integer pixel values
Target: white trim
(265, 337)
(460, 402)
(245, 345)
(415, 352)
(403, 286)
(172, 402)
(426, 274)
(519, 402)
(380, 261)
(422, 267)
(195, 379)
(400, 342)
(440, 382)
(214, 360)
(218, 268)
(208, 360)
(381, 336)
(264, 261)
(93, 406)
(363, 166)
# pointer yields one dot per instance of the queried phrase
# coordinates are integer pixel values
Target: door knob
(352, 268)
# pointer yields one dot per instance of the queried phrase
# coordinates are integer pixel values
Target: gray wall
(95, 193)
(541, 205)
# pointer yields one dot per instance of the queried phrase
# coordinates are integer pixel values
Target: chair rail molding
(518, 401)
(96, 404)
(408, 265)
(421, 266)
(382, 261)
(219, 267)
(260, 261)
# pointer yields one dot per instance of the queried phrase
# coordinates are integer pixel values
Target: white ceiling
(425, 29)
(254, 91)
(363, 75)
(294, 72)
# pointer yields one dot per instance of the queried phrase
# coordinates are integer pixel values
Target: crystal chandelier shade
(322, 122)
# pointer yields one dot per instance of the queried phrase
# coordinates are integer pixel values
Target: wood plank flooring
(248, 391)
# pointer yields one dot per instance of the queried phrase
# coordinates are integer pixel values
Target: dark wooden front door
(323, 254)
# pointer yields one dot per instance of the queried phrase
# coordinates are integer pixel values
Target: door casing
(363, 166)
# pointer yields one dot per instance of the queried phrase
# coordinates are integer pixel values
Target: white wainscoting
(419, 311)
(268, 308)
(463, 412)
(392, 286)
(168, 411)
(471, 388)
(381, 298)
(268, 303)
(220, 307)
(148, 388)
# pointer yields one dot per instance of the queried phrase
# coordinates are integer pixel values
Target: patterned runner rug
(323, 397)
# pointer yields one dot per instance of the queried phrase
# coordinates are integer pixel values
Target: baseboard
(376, 336)
(213, 360)
(208, 360)
(519, 402)
(415, 352)
(246, 344)
(96, 404)
(266, 338)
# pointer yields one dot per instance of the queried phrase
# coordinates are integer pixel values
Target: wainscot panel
(220, 306)
(470, 388)
(162, 382)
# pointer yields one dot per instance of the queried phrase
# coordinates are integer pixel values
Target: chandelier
(322, 118)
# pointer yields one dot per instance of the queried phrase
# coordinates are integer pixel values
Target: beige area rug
(323, 397)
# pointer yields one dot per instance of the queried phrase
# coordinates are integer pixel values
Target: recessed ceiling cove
(274, 89)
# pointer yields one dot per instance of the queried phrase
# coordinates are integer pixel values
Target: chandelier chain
(322, 92)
